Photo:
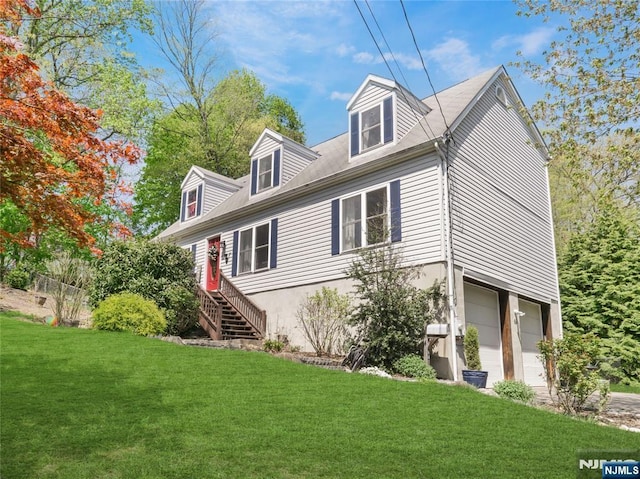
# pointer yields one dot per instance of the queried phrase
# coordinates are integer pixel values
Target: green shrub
(472, 349)
(18, 278)
(273, 345)
(390, 314)
(575, 376)
(323, 317)
(413, 366)
(515, 390)
(161, 272)
(129, 312)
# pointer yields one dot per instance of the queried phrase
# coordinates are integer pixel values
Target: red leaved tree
(53, 166)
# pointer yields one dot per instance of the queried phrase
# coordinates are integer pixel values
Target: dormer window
(372, 127)
(191, 203)
(265, 172)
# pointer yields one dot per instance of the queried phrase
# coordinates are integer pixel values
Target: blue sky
(316, 53)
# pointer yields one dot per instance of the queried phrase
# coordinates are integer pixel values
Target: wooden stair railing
(209, 314)
(255, 316)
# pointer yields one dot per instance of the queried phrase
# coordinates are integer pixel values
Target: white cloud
(366, 58)
(345, 50)
(336, 95)
(271, 38)
(528, 44)
(455, 58)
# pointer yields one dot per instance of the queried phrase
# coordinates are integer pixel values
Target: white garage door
(530, 334)
(481, 309)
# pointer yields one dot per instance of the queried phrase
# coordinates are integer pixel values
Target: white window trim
(363, 217)
(253, 248)
(188, 217)
(361, 129)
(380, 105)
(258, 189)
(273, 178)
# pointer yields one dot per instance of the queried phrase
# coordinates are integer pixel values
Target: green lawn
(623, 388)
(89, 404)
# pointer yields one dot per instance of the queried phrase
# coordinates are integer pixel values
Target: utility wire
(415, 114)
(388, 66)
(423, 65)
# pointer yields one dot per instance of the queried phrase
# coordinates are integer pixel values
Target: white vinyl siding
(501, 222)
(304, 228)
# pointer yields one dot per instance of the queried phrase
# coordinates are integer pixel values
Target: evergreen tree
(600, 287)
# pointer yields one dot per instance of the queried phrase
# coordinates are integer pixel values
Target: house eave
(334, 179)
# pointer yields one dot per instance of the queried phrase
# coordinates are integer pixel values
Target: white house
(460, 181)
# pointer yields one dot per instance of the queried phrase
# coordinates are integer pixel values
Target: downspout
(449, 263)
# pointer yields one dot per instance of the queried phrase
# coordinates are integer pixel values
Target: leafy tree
(239, 111)
(591, 75)
(52, 162)
(160, 272)
(391, 314)
(600, 288)
(81, 46)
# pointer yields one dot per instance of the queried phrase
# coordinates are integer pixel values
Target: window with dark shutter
(387, 107)
(355, 134)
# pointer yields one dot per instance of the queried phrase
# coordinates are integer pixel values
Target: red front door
(213, 264)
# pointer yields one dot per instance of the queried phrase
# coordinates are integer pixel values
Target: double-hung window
(255, 248)
(365, 219)
(265, 172)
(253, 254)
(372, 127)
(191, 203)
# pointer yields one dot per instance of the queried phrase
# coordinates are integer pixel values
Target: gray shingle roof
(334, 153)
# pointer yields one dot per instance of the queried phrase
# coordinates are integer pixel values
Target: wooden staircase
(228, 314)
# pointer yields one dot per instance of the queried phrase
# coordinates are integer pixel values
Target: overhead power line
(388, 66)
(424, 67)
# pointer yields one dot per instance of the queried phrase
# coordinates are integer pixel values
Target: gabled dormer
(203, 190)
(381, 112)
(275, 159)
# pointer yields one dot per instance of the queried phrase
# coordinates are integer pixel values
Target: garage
(530, 334)
(481, 309)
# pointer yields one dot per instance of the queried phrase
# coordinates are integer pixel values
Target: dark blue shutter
(396, 230)
(387, 107)
(199, 200)
(276, 168)
(335, 227)
(184, 206)
(355, 134)
(254, 177)
(234, 260)
(273, 261)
